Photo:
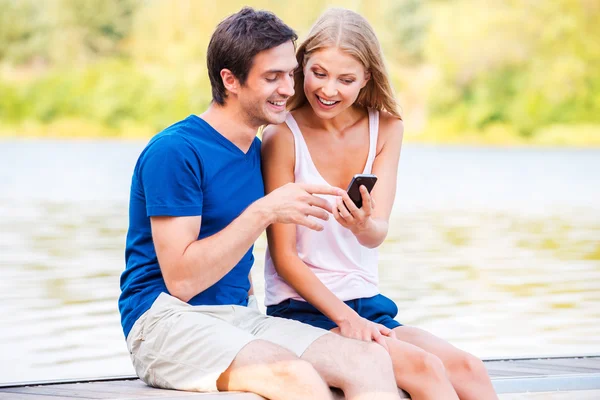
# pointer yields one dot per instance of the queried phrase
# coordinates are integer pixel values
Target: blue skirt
(378, 309)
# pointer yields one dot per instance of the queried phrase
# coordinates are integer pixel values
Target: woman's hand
(351, 217)
(357, 327)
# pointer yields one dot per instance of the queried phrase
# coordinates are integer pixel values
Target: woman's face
(332, 81)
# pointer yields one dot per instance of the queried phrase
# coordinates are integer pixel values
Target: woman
(344, 120)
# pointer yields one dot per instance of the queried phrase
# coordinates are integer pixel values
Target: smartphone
(366, 180)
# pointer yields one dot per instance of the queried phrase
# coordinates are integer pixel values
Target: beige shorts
(174, 345)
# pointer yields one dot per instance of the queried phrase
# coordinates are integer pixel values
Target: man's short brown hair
(236, 41)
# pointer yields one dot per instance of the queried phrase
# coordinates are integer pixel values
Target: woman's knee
(467, 366)
(420, 363)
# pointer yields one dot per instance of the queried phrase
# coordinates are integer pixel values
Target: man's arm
(190, 266)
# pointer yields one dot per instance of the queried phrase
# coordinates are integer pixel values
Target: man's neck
(228, 122)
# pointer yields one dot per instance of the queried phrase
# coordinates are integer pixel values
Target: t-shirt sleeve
(170, 172)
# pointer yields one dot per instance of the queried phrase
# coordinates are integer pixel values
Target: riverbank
(436, 132)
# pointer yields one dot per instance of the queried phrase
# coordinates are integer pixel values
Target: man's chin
(276, 118)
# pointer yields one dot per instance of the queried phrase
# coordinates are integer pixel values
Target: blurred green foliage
(526, 64)
(492, 71)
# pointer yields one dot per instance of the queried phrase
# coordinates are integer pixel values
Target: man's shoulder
(178, 132)
(182, 135)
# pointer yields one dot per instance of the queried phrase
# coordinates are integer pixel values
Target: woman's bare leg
(419, 373)
(466, 372)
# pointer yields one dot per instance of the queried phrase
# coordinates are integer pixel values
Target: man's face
(270, 83)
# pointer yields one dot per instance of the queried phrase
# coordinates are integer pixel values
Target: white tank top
(334, 254)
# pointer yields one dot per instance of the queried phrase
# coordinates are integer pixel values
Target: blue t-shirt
(186, 170)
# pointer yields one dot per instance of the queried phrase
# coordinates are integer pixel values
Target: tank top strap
(373, 135)
(303, 160)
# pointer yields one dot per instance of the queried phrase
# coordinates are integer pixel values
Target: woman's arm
(251, 290)
(369, 223)
(278, 159)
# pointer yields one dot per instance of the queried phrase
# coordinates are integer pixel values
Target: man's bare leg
(273, 372)
(362, 370)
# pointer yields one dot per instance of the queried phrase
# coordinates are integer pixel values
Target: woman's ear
(231, 83)
(367, 79)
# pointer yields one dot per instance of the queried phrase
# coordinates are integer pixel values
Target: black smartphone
(366, 180)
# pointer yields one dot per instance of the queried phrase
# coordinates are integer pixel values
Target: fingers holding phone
(350, 216)
(354, 192)
(343, 213)
(355, 207)
(368, 204)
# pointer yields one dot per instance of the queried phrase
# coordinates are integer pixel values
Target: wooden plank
(52, 393)
(530, 367)
(573, 375)
(590, 364)
(513, 373)
(503, 374)
(119, 390)
(25, 396)
(69, 392)
(205, 396)
(130, 388)
(121, 378)
(578, 395)
(559, 366)
(547, 383)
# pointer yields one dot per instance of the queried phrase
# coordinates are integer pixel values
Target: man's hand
(293, 203)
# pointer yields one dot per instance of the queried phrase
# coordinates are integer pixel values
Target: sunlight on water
(486, 249)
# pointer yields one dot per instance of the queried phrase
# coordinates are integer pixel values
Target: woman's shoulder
(277, 143)
(277, 133)
(391, 129)
(390, 124)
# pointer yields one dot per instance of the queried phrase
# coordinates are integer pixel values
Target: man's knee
(267, 362)
(294, 370)
(364, 360)
(371, 353)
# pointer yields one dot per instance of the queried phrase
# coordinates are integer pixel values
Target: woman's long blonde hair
(351, 33)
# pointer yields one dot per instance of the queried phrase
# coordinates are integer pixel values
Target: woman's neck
(336, 125)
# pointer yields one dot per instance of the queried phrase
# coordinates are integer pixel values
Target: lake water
(496, 250)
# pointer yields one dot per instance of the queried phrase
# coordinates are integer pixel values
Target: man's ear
(231, 83)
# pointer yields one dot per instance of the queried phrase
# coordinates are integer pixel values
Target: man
(196, 208)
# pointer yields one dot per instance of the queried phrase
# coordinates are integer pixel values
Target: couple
(198, 204)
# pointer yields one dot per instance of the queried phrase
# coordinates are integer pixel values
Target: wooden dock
(548, 378)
